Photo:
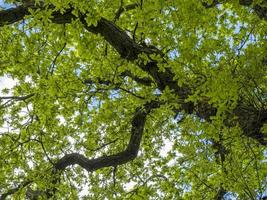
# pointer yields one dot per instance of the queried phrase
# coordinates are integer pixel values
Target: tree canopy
(133, 99)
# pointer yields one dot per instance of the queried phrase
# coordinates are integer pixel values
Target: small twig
(43, 148)
(106, 50)
(130, 92)
(134, 32)
(114, 175)
(12, 99)
(146, 181)
(243, 42)
(52, 66)
(19, 98)
(104, 145)
(124, 8)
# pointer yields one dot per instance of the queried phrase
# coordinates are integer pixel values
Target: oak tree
(133, 99)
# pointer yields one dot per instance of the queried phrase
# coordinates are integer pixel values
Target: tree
(102, 85)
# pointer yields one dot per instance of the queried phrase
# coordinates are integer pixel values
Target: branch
(18, 98)
(130, 153)
(138, 123)
(143, 81)
(103, 145)
(131, 93)
(11, 99)
(130, 50)
(117, 38)
(52, 66)
(99, 81)
(14, 190)
(13, 15)
(125, 8)
(134, 191)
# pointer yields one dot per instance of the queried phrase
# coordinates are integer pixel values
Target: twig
(19, 98)
(14, 190)
(124, 8)
(104, 145)
(134, 32)
(52, 66)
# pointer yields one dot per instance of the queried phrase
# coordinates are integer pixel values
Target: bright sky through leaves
(133, 99)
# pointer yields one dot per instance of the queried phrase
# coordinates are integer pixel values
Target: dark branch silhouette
(138, 123)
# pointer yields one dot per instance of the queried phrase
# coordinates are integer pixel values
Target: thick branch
(138, 123)
(117, 38)
(13, 15)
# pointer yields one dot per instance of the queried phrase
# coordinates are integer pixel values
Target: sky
(4, 5)
(6, 82)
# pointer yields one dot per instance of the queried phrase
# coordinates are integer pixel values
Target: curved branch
(130, 153)
(138, 123)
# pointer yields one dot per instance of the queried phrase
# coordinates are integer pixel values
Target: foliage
(94, 79)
